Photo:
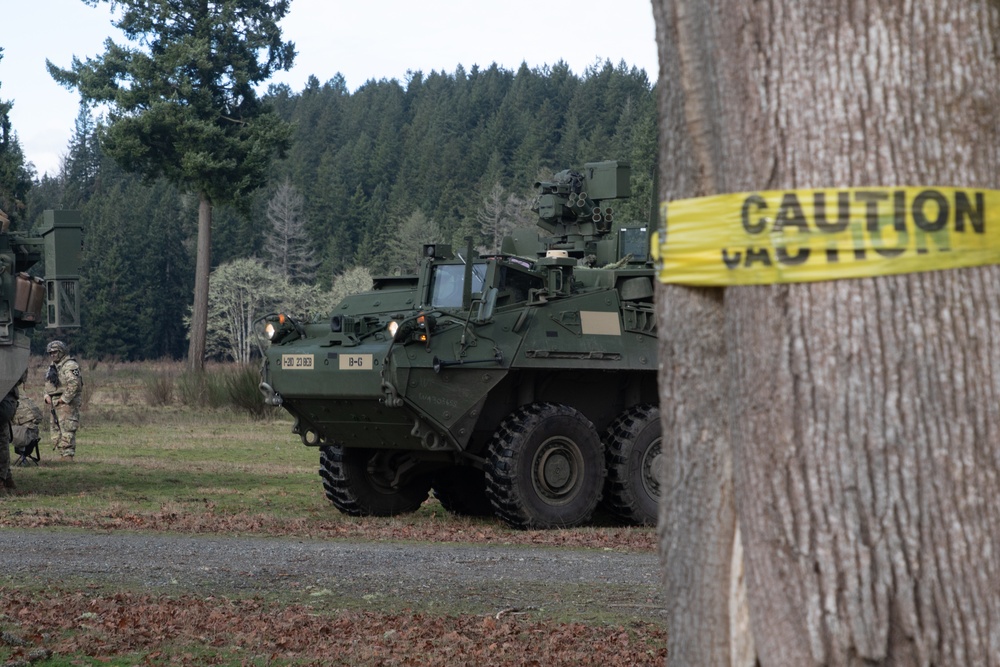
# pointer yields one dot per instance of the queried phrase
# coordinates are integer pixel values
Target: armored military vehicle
(521, 383)
(24, 297)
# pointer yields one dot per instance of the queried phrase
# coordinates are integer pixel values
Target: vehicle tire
(545, 467)
(632, 446)
(359, 482)
(462, 491)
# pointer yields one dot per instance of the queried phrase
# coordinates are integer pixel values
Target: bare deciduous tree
(240, 292)
(849, 428)
(499, 215)
(243, 290)
(289, 249)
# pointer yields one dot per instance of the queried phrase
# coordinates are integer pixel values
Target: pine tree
(135, 271)
(185, 107)
(15, 175)
(82, 165)
(411, 234)
(373, 251)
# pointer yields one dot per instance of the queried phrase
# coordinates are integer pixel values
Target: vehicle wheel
(462, 491)
(632, 444)
(545, 467)
(363, 482)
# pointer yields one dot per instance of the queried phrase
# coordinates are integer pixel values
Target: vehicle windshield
(447, 280)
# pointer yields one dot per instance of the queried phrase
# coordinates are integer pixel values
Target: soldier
(63, 387)
(7, 407)
(26, 423)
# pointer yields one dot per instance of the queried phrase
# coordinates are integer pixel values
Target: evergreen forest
(369, 176)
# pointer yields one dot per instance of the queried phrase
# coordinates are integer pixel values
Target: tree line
(368, 177)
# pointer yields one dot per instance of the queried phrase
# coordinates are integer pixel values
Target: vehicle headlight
(393, 328)
(277, 327)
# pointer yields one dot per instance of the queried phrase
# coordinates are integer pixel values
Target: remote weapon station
(521, 383)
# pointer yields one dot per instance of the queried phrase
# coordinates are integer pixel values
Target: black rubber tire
(462, 491)
(545, 467)
(632, 444)
(353, 487)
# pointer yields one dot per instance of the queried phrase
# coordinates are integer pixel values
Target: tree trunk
(864, 413)
(697, 526)
(203, 265)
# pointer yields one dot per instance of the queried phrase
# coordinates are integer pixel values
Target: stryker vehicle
(521, 383)
(23, 297)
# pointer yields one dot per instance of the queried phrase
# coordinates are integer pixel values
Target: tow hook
(271, 397)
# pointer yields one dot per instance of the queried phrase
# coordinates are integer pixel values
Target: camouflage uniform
(63, 387)
(28, 418)
(7, 408)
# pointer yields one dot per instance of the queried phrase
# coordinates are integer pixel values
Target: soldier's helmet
(57, 348)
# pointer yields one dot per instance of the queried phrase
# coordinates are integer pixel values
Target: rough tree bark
(863, 418)
(697, 517)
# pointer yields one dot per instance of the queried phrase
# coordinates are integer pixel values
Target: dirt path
(572, 584)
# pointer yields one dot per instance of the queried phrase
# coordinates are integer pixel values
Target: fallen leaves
(187, 630)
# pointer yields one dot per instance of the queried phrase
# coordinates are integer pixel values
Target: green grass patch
(149, 459)
(208, 461)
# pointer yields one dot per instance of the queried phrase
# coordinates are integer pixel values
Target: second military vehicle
(24, 298)
(521, 383)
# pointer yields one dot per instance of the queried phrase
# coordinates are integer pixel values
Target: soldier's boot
(67, 450)
(9, 483)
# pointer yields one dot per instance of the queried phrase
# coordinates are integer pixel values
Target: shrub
(244, 396)
(232, 386)
(191, 389)
(217, 388)
(158, 389)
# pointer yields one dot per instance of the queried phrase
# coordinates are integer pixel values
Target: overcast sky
(377, 39)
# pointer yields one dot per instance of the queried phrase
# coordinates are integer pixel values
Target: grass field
(152, 458)
(143, 459)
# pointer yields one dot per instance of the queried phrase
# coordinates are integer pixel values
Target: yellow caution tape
(784, 236)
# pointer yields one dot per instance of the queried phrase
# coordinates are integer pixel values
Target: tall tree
(373, 250)
(134, 270)
(82, 165)
(15, 175)
(849, 427)
(183, 105)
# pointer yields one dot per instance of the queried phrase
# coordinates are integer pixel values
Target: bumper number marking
(355, 362)
(297, 362)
